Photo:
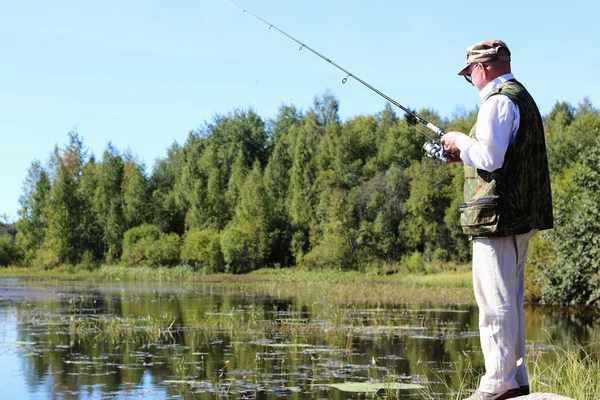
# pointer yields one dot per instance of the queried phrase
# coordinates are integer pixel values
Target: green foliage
(415, 262)
(423, 229)
(32, 225)
(247, 240)
(333, 248)
(238, 174)
(136, 196)
(107, 203)
(167, 201)
(300, 181)
(541, 255)
(147, 245)
(202, 249)
(574, 278)
(377, 206)
(571, 133)
(66, 209)
(304, 189)
(9, 252)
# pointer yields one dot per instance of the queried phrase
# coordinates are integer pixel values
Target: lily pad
(18, 342)
(436, 310)
(180, 382)
(400, 327)
(367, 387)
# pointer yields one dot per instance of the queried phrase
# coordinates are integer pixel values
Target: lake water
(95, 340)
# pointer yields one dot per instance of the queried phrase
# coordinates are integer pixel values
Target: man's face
(476, 75)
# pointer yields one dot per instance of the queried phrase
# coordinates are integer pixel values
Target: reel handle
(436, 151)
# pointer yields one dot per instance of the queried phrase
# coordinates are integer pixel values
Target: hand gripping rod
(433, 150)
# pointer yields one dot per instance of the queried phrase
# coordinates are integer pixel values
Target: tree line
(305, 189)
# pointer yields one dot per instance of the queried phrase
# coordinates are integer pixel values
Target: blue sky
(142, 74)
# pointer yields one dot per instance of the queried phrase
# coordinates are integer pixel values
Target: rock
(542, 396)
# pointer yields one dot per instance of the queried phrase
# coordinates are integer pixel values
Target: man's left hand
(449, 141)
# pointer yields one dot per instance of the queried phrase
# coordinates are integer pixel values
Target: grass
(452, 287)
(573, 372)
(147, 329)
(450, 275)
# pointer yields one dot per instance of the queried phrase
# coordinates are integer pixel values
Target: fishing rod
(432, 149)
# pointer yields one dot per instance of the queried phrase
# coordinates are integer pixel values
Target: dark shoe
(509, 394)
(523, 390)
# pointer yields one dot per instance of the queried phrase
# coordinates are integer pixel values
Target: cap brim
(464, 71)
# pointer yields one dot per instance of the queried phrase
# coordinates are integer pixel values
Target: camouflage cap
(486, 50)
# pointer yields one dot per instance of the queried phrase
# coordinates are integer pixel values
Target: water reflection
(98, 340)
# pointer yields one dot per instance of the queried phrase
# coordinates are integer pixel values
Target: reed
(573, 371)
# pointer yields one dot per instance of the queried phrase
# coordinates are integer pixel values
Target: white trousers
(499, 285)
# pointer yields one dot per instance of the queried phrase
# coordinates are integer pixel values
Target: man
(507, 200)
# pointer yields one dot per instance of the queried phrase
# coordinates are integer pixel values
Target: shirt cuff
(463, 142)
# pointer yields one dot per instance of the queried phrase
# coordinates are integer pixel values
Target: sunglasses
(467, 76)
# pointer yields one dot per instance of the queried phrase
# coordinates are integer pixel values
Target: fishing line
(433, 150)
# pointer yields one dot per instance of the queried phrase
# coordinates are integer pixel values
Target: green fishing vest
(515, 198)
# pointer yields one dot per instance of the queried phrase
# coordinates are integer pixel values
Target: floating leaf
(23, 343)
(366, 387)
(179, 382)
(397, 327)
(436, 310)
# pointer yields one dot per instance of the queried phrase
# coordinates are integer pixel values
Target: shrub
(240, 250)
(147, 245)
(46, 258)
(574, 276)
(202, 249)
(415, 263)
(9, 252)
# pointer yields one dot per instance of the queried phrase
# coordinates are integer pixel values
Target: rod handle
(437, 130)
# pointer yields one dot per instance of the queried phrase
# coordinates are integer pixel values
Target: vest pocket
(480, 217)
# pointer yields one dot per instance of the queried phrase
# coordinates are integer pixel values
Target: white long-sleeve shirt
(497, 124)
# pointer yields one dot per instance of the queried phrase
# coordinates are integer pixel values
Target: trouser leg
(498, 283)
(521, 244)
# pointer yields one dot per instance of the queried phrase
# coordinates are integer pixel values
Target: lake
(95, 340)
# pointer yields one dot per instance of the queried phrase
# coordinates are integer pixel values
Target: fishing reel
(436, 151)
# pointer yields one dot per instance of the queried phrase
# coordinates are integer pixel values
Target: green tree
(300, 182)
(108, 202)
(239, 131)
(400, 143)
(334, 248)
(276, 183)
(91, 230)
(32, 224)
(423, 229)
(358, 145)
(287, 117)
(167, 198)
(574, 277)
(378, 206)
(236, 180)
(458, 244)
(247, 240)
(63, 241)
(571, 133)
(136, 195)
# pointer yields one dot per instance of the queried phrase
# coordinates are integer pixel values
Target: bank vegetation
(306, 190)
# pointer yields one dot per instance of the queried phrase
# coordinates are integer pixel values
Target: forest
(303, 189)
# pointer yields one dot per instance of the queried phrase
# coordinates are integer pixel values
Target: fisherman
(507, 200)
